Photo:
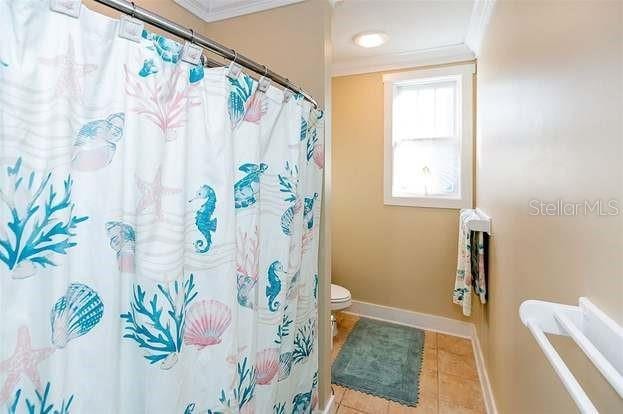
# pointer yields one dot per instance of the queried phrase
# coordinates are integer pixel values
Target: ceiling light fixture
(370, 39)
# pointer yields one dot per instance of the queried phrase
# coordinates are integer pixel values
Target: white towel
(470, 269)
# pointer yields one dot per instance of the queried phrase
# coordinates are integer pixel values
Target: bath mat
(382, 359)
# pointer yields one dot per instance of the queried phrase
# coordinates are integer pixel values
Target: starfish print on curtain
(151, 193)
(69, 82)
(23, 362)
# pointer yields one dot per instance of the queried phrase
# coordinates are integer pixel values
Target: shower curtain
(158, 227)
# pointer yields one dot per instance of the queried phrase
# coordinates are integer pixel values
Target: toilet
(340, 299)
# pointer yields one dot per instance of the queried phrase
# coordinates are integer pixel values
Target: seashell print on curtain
(159, 227)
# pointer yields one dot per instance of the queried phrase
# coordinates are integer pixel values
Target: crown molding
(394, 61)
(478, 23)
(235, 10)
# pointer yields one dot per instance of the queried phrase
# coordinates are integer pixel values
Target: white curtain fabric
(159, 227)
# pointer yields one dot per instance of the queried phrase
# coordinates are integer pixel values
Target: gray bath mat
(382, 359)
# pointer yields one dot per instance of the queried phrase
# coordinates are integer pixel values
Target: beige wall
(290, 40)
(403, 257)
(550, 126)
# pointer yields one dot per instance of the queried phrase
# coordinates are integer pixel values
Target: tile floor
(448, 383)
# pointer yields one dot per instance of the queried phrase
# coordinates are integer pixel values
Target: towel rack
(481, 222)
(595, 333)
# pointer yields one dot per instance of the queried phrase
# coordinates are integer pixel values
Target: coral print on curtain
(158, 227)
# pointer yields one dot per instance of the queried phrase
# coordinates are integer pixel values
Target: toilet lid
(339, 294)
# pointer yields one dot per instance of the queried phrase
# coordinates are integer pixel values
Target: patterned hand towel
(471, 261)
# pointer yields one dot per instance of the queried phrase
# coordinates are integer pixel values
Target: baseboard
(483, 376)
(405, 317)
(431, 323)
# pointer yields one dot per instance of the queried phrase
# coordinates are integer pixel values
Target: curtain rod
(190, 35)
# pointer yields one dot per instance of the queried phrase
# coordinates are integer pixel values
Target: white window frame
(464, 200)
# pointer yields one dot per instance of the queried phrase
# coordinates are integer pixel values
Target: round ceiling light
(370, 39)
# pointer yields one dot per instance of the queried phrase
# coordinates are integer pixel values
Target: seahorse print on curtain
(204, 220)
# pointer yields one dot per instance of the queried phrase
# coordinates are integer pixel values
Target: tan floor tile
(339, 340)
(339, 392)
(366, 403)
(463, 366)
(343, 330)
(429, 385)
(454, 344)
(346, 324)
(423, 407)
(429, 360)
(347, 410)
(346, 317)
(430, 339)
(341, 336)
(459, 395)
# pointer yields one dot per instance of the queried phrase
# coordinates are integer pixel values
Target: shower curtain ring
(133, 15)
(235, 56)
(265, 70)
(192, 36)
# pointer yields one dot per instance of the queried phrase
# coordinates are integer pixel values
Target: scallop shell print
(266, 365)
(206, 321)
(75, 314)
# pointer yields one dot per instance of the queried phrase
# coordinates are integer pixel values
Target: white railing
(596, 334)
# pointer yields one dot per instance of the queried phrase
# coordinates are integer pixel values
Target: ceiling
(421, 32)
(213, 10)
(417, 29)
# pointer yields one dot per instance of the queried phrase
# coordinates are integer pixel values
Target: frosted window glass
(426, 159)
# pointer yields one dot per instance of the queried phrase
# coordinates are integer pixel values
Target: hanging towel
(471, 264)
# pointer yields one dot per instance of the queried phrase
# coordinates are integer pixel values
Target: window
(428, 137)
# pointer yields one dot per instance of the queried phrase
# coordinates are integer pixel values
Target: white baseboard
(405, 317)
(485, 384)
(431, 323)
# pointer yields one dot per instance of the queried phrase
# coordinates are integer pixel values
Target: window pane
(444, 112)
(425, 111)
(426, 167)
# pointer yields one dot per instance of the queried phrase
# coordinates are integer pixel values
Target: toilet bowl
(340, 299)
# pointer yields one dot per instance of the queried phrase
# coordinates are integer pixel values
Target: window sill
(428, 202)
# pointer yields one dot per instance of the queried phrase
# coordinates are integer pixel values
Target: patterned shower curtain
(158, 227)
